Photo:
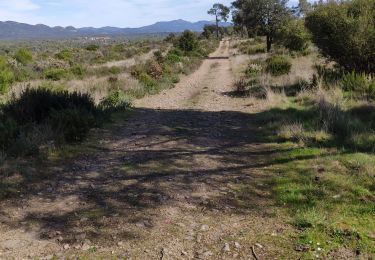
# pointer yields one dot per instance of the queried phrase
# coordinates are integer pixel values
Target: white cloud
(18, 5)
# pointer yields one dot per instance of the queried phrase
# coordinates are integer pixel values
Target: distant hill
(12, 30)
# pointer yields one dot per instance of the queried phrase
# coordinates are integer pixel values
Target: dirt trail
(185, 177)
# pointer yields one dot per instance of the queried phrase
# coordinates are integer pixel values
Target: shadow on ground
(214, 161)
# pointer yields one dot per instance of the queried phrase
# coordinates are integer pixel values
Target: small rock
(226, 247)
(237, 245)
(302, 248)
(259, 245)
(184, 253)
(120, 244)
(208, 254)
(85, 247)
(66, 246)
(204, 227)
(199, 238)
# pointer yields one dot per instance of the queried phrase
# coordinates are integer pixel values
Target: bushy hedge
(345, 32)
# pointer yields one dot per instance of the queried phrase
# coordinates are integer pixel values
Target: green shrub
(35, 105)
(188, 41)
(359, 83)
(172, 58)
(147, 81)
(345, 32)
(114, 70)
(55, 74)
(115, 100)
(72, 123)
(8, 132)
(92, 47)
(78, 70)
(6, 75)
(278, 65)
(253, 70)
(23, 56)
(294, 36)
(65, 54)
(6, 79)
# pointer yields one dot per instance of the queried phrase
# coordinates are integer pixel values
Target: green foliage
(278, 65)
(172, 58)
(55, 74)
(23, 56)
(65, 54)
(114, 70)
(294, 36)
(345, 32)
(72, 123)
(359, 83)
(92, 47)
(78, 70)
(261, 17)
(8, 131)
(115, 100)
(188, 42)
(6, 75)
(35, 105)
(147, 80)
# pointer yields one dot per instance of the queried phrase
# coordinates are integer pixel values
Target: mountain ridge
(12, 30)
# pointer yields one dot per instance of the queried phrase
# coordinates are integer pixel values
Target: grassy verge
(323, 173)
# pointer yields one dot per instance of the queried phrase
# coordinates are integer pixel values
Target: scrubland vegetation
(297, 150)
(55, 96)
(323, 118)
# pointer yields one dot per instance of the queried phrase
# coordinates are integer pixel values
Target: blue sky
(121, 13)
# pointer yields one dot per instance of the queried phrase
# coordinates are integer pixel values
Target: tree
(303, 8)
(188, 41)
(221, 13)
(345, 32)
(264, 17)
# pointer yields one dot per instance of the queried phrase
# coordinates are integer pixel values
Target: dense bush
(23, 56)
(73, 123)
(359, 83)
(147, 81)
(278, 65)
(172, 58)
(55, 74)
(35, 105)
(345, 32)
(92, 47)
(116, 99)
(293, 35)
(188, 41)
(65, 54)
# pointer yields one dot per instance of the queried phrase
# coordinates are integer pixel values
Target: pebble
(237, 245)
(184, 253)
(85, 247)
(208, 253)
(120, 244)
(66, 246)
(204, 227)
(259, 245)
(226, 247)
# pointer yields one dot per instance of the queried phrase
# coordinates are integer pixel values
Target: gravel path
(185, 177)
